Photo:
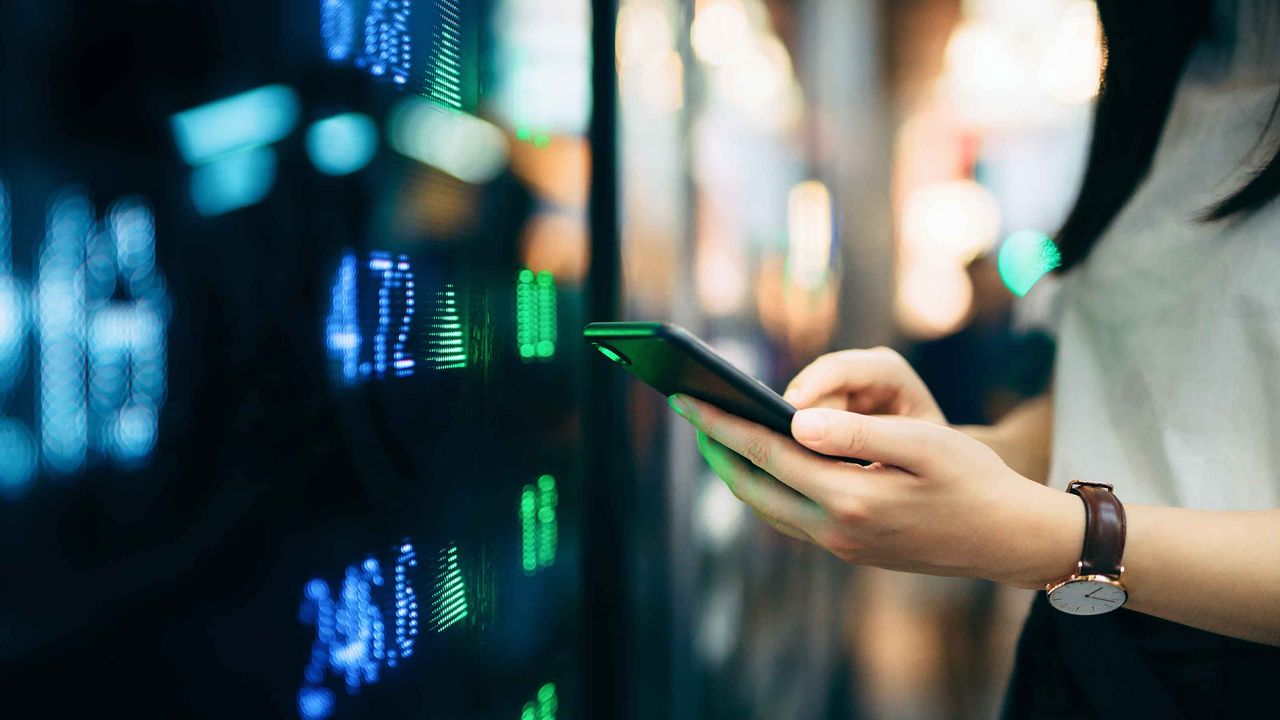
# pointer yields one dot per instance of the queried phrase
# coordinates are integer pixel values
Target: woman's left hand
(934, 500)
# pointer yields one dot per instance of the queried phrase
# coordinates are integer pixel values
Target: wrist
(1047, 540)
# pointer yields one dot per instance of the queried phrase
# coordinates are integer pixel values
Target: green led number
(535, 315)
(539, 527)
(446, 338)
(543, 706)
(449, 600)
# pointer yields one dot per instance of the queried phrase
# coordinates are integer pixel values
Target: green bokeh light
(535, 315)
(1024, 258)
(544, 706)
(539, 525)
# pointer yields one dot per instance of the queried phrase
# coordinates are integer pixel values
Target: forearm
(1022, 438)
(1217, 571)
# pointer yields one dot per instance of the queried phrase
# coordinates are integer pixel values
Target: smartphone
(672, 360)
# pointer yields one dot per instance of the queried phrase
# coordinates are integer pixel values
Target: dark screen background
(176, 588)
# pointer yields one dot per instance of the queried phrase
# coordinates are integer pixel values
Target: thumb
(903, 442)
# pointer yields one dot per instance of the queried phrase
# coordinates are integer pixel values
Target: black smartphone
(672, 360)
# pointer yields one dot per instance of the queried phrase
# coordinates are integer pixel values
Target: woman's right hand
(877, 381)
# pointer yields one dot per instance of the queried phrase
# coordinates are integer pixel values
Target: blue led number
(126, 338)
(338, 27)
(342, 329)
(100, 312)
(387, 45)
(60, 319)
(395, 307)
(17, 445)
(388, 350)
(406, 606)
(351, 630)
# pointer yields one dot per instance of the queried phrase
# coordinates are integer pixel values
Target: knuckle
(830, 358)
(891, 356)
(757, 449)
(940, 439)
(857, 435)
(837, 542)
(848, 508)
(821, 367)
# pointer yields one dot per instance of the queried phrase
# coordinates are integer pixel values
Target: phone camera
(611, 353)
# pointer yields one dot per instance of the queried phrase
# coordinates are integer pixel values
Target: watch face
(1089, 595)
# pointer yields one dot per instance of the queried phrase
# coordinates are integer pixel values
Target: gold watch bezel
(1112, 580)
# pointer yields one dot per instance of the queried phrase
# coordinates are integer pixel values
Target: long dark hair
(1146, 44)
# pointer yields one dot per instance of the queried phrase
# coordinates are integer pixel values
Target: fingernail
(678, 404)
(809, 425)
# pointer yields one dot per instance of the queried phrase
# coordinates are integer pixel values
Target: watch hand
(1109, 600)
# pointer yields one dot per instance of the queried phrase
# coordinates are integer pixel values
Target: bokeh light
(542, 77)
(933, 299)
(256, 117)
(342, 144)
(456, 143)
(233, 181)
(17, 458)
(721, 32)
(557, 242)
(1025, 257)
(1071, 67)
(643, 33)
(955, 220)
(760, 77)
(720, 265)
(809, 234)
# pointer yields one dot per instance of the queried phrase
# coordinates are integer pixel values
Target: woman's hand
(934, 501)
(877, 381)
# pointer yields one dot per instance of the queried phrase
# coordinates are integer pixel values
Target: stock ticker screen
(286, 424)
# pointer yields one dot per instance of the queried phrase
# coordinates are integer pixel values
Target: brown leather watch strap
(1104, 528)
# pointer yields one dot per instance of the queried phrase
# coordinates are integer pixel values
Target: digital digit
(342, 328)
(350, 637)
(338, 27)
(406, 606)
(387, 45)
(396, 304)
(17, 446)
(60, 321)
(126, 338)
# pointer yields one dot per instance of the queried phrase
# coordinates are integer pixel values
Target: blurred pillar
(840, 61)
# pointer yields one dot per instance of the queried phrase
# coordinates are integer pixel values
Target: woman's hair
(1146, 44)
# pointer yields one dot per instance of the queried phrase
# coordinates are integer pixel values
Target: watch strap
(1104, 528)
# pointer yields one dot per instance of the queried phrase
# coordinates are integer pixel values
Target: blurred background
(294, 416)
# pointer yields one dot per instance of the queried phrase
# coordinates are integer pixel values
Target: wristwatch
(1095, 587)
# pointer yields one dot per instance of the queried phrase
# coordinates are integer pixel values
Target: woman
(1167, 388)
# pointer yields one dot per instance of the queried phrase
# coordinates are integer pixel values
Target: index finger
(844, 372)
(772, 452)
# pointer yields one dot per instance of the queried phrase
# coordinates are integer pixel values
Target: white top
(1167, 381)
